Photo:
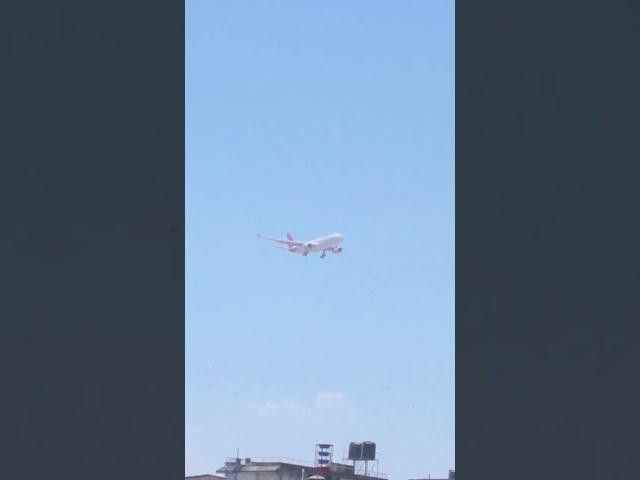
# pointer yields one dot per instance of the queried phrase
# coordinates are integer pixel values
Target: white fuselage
(328, 243)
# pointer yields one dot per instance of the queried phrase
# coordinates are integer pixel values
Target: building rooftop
(344, 471)
(452, 476)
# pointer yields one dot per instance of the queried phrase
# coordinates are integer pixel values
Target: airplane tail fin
(290, 237)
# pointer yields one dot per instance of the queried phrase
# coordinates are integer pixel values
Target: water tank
(355, 451)
(368, 451)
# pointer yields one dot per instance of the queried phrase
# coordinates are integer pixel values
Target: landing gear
(324, 254)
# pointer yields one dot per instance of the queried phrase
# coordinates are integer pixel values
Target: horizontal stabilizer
(285, 242)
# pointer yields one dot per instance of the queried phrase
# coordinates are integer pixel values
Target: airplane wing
(286, 242)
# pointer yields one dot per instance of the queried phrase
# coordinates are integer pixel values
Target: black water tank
(355, 451)
(368, 451)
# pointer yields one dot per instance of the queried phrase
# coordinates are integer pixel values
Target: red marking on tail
(290, 237)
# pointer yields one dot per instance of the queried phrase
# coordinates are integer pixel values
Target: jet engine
(337, 249)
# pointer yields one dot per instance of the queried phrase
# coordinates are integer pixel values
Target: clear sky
(313, 118)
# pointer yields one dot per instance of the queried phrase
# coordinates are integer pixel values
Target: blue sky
(317, 117)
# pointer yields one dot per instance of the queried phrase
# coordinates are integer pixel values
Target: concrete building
(205, 477)
(247, 469)
(452, 476)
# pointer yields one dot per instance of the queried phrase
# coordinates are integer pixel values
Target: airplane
(330, 243)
